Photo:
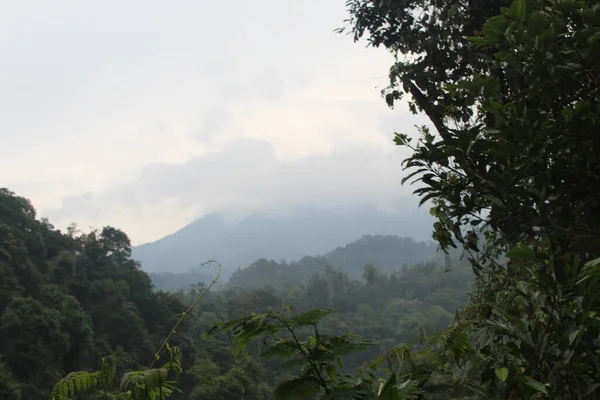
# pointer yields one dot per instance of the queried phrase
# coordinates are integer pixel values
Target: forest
(508, 308)
(385, 251)
(69, 299)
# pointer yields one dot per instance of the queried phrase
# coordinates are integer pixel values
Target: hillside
(301, 232)
(67, 300)
(386, 253)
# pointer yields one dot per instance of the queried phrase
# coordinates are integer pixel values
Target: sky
(145, 115)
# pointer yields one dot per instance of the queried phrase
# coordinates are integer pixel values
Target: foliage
(511, 168)
(429, 40)
(144, 384)
(67, 299)
(384, 309)
(318, 356)
(134, 385)
(513, 96)
(522, 92)
(80, 381)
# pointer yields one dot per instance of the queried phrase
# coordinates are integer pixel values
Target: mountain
(291, 236)
(386, 253)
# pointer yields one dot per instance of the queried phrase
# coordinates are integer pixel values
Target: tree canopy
(77, 306)
(510, 166)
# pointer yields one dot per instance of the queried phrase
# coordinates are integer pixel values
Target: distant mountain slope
(300, 233)
(386, 253)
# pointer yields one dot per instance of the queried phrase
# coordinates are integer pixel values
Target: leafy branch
(319, 355)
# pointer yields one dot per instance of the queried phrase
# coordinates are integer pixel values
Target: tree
(370, 274)
(65, 299)
(512, 165)
(429, 40)
(515, 113)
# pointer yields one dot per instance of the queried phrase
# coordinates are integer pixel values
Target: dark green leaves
(589, 278)
(494, 200)
(309, 318)
(522, 252)
(512, 90)
(297, 388)
(401, 139)
(286, 337)
(537, 23)
(538, 386)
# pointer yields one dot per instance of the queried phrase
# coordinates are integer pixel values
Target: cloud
(246, 176)
(213, 123)
(146, 114)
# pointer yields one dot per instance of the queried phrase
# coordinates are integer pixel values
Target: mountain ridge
(386, 252)
(299, 233)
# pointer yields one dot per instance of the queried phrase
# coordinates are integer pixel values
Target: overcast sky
(147, 114)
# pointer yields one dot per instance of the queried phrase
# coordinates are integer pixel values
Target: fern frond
(150, 379)
(75, 382)
(108, 371)
(175, 363)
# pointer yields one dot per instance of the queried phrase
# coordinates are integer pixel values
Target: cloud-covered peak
(145, 115)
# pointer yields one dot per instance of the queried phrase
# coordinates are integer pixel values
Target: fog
(147, 115)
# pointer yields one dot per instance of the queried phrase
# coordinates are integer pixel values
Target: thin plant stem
(190, 308)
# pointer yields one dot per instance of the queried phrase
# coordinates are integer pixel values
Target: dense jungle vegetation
(69, 299)
(510, 169)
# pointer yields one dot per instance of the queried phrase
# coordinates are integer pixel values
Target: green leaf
(591, 270)
(297, 388)
(519, 10)
(523, 287)
(401, 139)
(573, 336)
(494, 200)
(345, 344)
(389, 391)
(284, 348)
(539, 386)
(521, 252)
(537, 23)
(311, 317)
(502, 373)
(428, 197)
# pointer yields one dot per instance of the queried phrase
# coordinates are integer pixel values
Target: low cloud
(246, 176)
(148, 115)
